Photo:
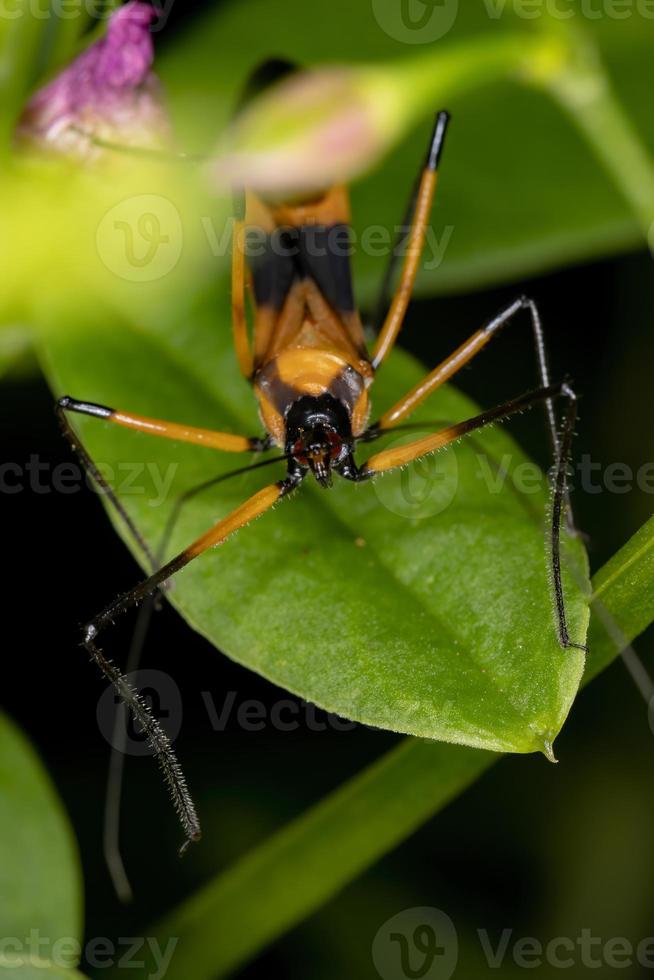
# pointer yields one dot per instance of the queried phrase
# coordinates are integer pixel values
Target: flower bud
(107, 93)
(312, 130)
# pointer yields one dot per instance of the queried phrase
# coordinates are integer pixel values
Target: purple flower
(108, 92)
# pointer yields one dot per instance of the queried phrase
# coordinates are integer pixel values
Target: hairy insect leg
(224, 441)
(397, 456)
(452, 364)
(61, 408)
(113, 799)
(169, 430)
(260, 502)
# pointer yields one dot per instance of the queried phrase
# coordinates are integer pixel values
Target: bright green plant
(163, 348)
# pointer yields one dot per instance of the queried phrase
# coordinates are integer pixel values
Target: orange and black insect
(311, 372)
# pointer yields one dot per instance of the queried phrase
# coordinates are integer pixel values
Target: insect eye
(299, 451)
(335, 444)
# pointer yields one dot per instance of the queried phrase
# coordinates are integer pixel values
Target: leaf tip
(548, 751)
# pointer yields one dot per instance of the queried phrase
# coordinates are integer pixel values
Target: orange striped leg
(390, 459)
(260, 502)
(203, 437)
(419, 224)
(225, 441)
(242, 344)
(463, 355)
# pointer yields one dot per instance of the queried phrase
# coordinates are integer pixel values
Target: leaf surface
(40, 880)
(419, 603)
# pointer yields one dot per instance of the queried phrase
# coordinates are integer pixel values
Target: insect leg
(215, 440)
(242, 344)
(61, 407)
(419, 223)
(260, 502)
(228, 442)
(396, 456)
(111, 831)
(452, 364)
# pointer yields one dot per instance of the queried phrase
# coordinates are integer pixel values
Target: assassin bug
(311, 372)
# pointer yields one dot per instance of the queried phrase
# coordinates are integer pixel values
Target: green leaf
(623, 598)
(14, 969)
(15, 349)
(520, 189)
(22, 32)
(77, 232)
(40, 879)
(432, 618)
(298, 869)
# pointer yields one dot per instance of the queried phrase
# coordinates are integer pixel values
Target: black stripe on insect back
(317, 252)
(325, 256)
(272, 262)
(280, 393)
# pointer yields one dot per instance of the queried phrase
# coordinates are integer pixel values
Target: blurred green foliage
(40, 877)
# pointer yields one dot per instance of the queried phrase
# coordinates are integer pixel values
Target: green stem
(617, 145)
(582, 87)
(415, 84)
(65, 40)
(19, 55)
(280, 883)
(298, 869)
(623, 591)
